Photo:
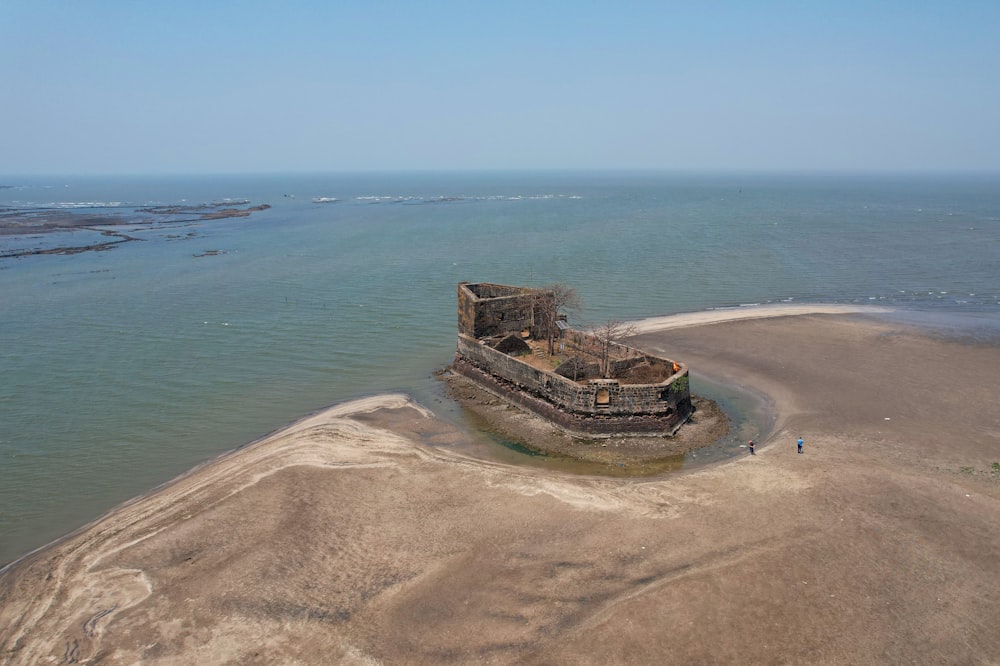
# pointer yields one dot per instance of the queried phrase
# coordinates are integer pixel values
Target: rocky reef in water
(33, 221)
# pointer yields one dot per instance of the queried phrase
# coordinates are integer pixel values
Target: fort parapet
(514, 342)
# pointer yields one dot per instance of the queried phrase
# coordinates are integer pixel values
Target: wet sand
(362, 535)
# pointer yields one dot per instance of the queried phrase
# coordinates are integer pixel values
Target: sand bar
(685, 319)
(361, 535)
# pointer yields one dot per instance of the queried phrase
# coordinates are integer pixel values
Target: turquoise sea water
(121, 369)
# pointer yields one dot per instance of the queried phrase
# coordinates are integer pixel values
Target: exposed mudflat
(363, 534)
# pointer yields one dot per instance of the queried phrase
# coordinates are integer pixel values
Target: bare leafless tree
(564, 300)
(607, 336)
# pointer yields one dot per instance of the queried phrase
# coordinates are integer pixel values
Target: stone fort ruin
(514, 342)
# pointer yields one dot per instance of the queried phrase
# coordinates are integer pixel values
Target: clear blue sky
(219, 86)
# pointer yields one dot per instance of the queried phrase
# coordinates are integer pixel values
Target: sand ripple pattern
(90, 585)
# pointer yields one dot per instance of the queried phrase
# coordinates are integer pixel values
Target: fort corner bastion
(513, 342)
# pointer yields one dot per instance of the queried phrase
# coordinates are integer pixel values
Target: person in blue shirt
(800, 444)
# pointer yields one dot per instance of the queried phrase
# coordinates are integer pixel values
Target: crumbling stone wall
(577, 369)
(623, 357)
(513, 345)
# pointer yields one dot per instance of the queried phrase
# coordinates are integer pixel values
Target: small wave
(325, 200)
(416, 201)
(75, 204)
(384, 197)
(455, 198)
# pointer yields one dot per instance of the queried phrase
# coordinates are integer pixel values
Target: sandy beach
(365, 534)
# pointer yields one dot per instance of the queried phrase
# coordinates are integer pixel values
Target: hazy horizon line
(721, 171)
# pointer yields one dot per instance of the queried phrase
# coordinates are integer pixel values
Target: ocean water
(123, 368)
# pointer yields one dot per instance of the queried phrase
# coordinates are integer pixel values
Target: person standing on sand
(800, 443)
(751, 445)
